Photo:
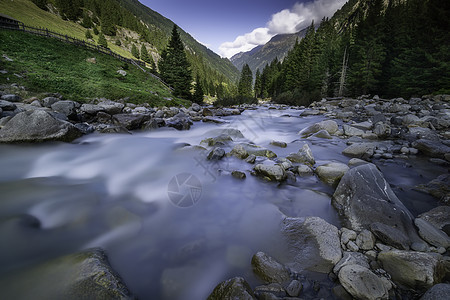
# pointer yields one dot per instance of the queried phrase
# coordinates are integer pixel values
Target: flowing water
(118, 192)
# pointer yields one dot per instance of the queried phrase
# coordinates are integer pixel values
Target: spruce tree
(245, 86)
(87, 21)
(135, 51)
(88, 34)
(102, 41)
(258, 84)
(174, 66)
(144, 54)
(198, 93)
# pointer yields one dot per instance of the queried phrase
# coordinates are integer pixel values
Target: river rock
(84, 275)
(238, 174)
(216, 154)
(180, 121)
(294, 288)
(111, 107)
(332, 172)
(268, 269)
(439, 188)
(6, 105)
(66, 107)
(360, 150)
(432, 148)
(304, 155)
(351, 258)
(363, 284)
(329, 125)
(251, 159)
(303, 170)
(382, 130)
(390, 235)
(313, 243)
(431, 234)
(278, 144)
(218, 140)
(272, 291)
(439, 291)
(90, 109)
(365, 240)
(415, 270)
(37, 126)
(273, 172)
(11, 98)
(130, 121)
(439, 217)
(232, 289)
(240, 152)
(352, 131)
(363, 197)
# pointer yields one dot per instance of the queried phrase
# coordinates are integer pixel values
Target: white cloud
(285, 21)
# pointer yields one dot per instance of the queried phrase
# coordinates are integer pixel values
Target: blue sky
(232, 26)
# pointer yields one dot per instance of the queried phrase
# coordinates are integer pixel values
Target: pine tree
(258, 84)
(107, 22)
(87, 21)
(42, 4)
(88, 34)
(174, 66)
(96, 31)
(245, 86)
(135, 51)
(144, 54)
(102, 41)
(198, 93)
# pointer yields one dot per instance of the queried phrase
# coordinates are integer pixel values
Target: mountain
(125, 23)
(278, 47)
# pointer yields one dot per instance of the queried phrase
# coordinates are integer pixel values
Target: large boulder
(411, 269)
(130, 121)
(232, 289)
(360, 150)
(329, 125)
(37, 126)
(91, 109)
(363, 284)
(432, 148)
(364, 197)
(111, 107)
(304, 155)
(85, 275)
(439, 291)
(439, 217)
(352, 131)
(66, 107)
(439, 188)
(180, 121)
(272, 172)
(431, 234)
(268, 269)
(331, 173)
(313, 243)
(6, 105)
(11, 98)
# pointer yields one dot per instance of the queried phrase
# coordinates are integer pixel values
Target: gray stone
(37, 126)
(238, 174)
(313, 242)
(268, 269)
(363, 284)
(390, 235)
(130, 121)
(180, 121)
(323, 134)
(11, 98)
(431, 234)
(111, 107)
(332, 172)
(352, 131)
(216, 154)
(49, 101)
(363, 125)
(303, 170)
(239, 151)
(89, 109)
(415, 270)
(258, 151)
(329, 125)
(272, 172)
(347, 235)
(360, 150)
(354, 162)
(440, 291)
(218, 140)
(351, 258)
(411, 120)
(382, 130)
(309, 112)
(305, 156)
(6, 105)
(294, 288)
(365, 240)
(363, 197)
(122, 72)
(84, 275)
(351, 245)
(431, 148)
(278, 144)
(272, 291)
(66, 107)
(439, 188)
(439, 217)
(232, 289)
(251, 159)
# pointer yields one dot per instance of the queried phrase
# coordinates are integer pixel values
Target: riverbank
(276, 229)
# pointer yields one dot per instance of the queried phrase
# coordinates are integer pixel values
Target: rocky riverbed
(346, 198)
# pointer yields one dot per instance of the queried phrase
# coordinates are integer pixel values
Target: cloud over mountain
(286, 21)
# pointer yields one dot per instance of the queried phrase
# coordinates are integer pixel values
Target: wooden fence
(71, 40)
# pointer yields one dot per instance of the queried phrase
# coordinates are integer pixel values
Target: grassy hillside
(49, 65)
(28, 13)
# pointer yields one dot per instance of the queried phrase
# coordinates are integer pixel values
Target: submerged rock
(268, 269)
(273, 172)
(232, 289)
(37, 126)
(84, 275)
(439, 188)
(304, 155)
(364, 197)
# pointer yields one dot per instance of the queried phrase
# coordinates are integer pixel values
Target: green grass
(49, 65)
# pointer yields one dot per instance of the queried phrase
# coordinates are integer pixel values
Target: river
(117, 192)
